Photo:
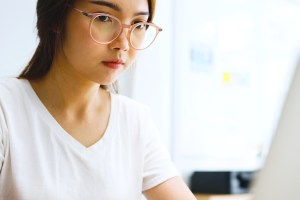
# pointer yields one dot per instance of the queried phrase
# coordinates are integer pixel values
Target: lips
(114, 64)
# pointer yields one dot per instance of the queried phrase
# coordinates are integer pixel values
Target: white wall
(17, 35)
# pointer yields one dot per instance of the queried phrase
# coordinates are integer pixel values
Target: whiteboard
(233, 63)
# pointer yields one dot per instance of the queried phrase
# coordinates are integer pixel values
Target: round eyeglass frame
(93, 16)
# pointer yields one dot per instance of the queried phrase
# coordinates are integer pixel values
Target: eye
(104, 18)
(141, 25)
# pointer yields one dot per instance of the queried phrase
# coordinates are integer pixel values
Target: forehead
(122, 6)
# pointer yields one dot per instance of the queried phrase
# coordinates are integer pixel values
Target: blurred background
(215, 78)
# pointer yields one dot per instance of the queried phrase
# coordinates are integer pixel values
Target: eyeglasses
(105, 28)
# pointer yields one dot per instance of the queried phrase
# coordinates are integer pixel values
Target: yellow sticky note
(226, 77)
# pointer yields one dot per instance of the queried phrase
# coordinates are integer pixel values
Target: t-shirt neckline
(62, 133)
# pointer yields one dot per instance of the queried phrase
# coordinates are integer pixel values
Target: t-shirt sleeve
(158, 166)
(2, 138)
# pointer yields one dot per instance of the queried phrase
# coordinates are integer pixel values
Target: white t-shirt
(39, 160)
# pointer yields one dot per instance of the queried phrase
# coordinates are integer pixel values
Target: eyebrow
(107, 4)
(142, 13)
(115, 7)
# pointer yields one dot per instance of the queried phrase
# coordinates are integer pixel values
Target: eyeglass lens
(105, 29)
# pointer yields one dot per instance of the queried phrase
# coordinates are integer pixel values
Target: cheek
(78, 44)
(77, 29)
(77, 35)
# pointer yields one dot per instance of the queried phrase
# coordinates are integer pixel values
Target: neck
(67, 93)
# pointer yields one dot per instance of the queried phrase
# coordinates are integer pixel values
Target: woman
(63, 135)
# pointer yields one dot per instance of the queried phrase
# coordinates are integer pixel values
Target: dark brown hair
(51, 17)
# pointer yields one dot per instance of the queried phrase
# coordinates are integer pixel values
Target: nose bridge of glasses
(124, 32)
(128, 32)
(126, 26)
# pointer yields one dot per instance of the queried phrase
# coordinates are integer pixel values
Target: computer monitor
(279, 178)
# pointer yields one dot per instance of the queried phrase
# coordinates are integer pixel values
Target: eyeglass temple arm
(82, 12)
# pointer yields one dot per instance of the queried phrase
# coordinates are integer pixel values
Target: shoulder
(132, 113)
(130, 106)
(12, 89)
(10, 84)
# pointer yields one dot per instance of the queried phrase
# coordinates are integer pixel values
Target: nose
(122, 41)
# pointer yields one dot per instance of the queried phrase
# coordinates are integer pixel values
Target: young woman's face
(82, 57)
